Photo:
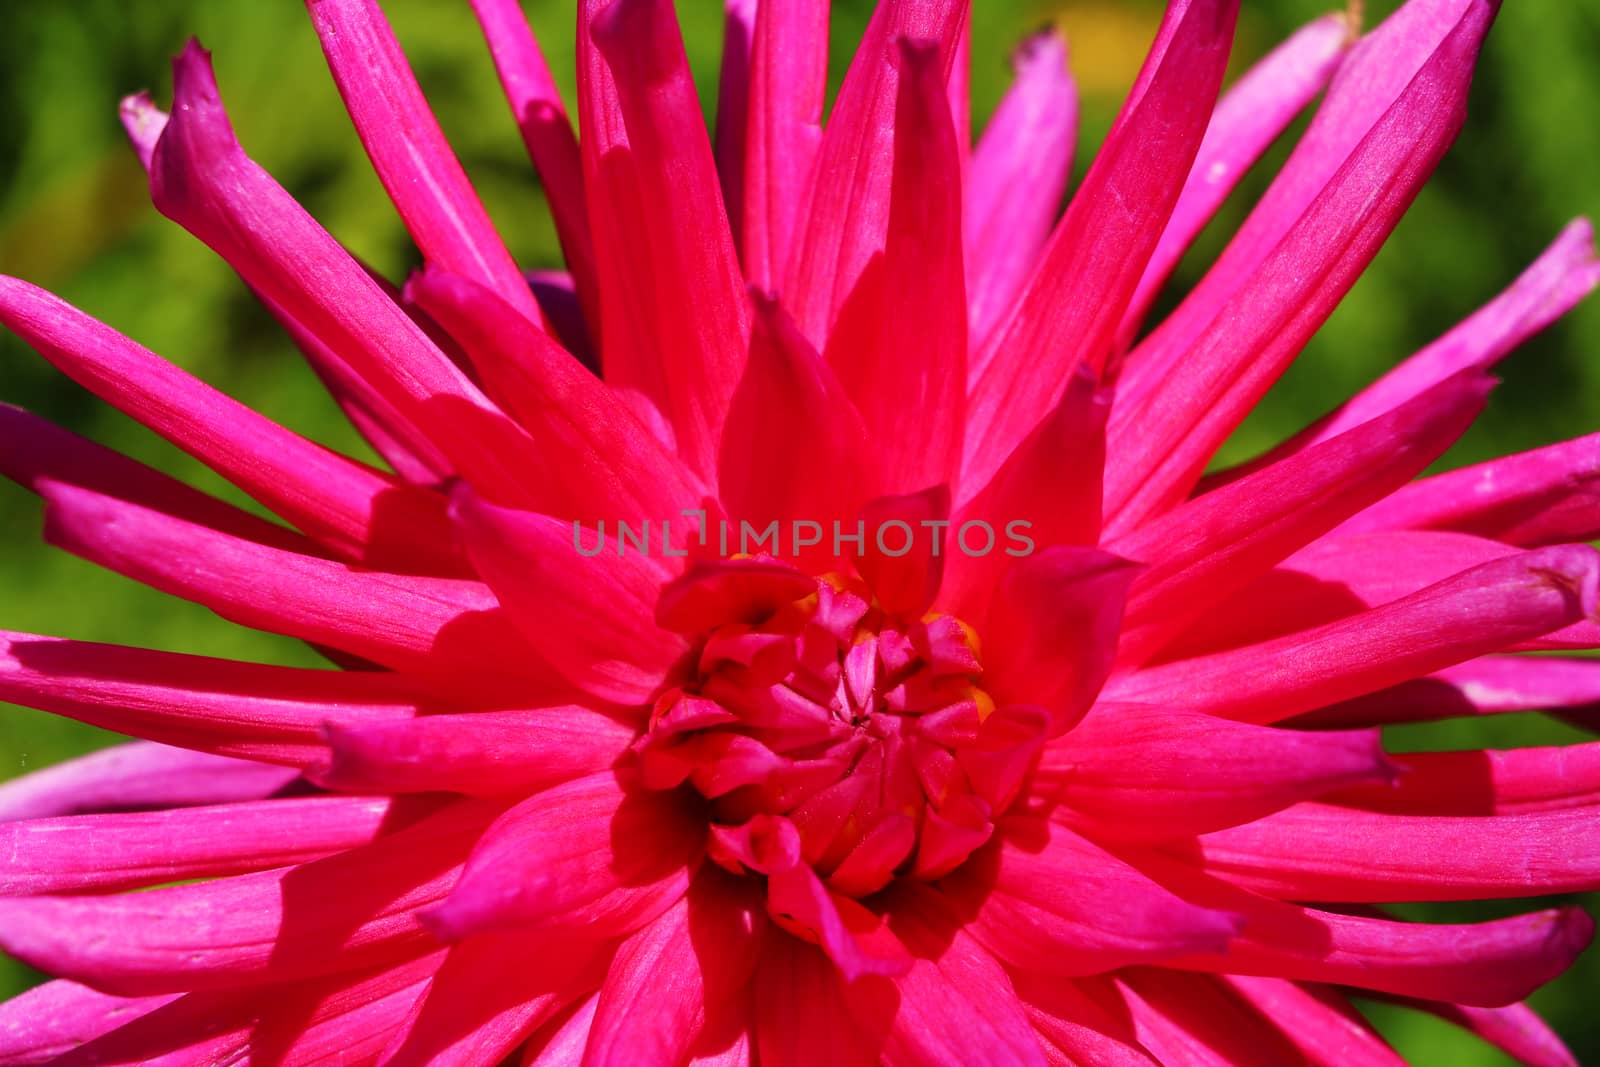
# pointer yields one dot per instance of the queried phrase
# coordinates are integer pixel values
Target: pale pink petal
(1321, 852)
(585, 854)
(1135, 772)
(409, 151)
(248, 710)
(486, 753)
(138, 776)
(1070, 308)
(1290, 269)
(102, 852)
(1482, 610)
(788, 80)
(1252, 114)
(1018, 178)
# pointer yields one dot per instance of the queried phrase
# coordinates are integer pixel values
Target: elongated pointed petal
(1491, 782)
(733, 108)
(409, 151)
(1197, 1019)
(1136, 772)
(56, 1017)
(592, 614)
(1072, 304)
(844, 212)
(354, 510)
(424, 625)
(788, 81)
(790, 394)
(254, 928)
(485, 753)
(914, 298)
(549, 863)
(675, 319)
(201, 179)
(547, 134)
(596, 460)
(1482, 610)
(1320, 1022)
(1547, 496)
(247, 710)
(1044, 899)
(137, 776)
(1252, 114)
(1516, 1029)
(1205, 550)
(1491, 685)
(1074, 1019)
(1018, 178)
(1322, 852)
(96, 853)
(669, 977)
(1052, 630)
(1215, 360)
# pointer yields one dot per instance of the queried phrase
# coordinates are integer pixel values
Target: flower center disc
(827, 733)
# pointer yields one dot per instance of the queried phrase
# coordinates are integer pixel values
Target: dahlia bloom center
(826, 731)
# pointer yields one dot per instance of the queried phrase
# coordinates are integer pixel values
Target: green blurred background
(74, 217)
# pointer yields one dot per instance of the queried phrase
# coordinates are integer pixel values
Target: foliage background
(74, 217)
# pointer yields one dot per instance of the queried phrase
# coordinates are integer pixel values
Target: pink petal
(667, 977)
(913, 299)
(596, 460)
(409, 151)
(137, 776)
(1478, 611)
(547, 134)
(1486, 782)
(1322, 852)
(584, 854)
(1566, 273)
(1544, 497)
(1195, 1019)
(202, 180)
(1136, 772)
(788, 81)
(733, 108)
(1488, 686)
(591, 614)
(844, 212)
(350, 508)
(1330, 210)
(1209, 548)
(1052, 630)
(788, 393)
(902, 554)
(1248, 118)
(1044, 899)
(52, 1019)
(1048, 491)
(253, 711)
(1318, 1021)
(675, 323)
(1070, 308)
(1018, 177)
(344, 1018)
(485, 999)
(254, 928)
(561, 1041)
(802, 1012)
(82, 853)
(426, 625)
(1516, 1029)
(1077, 1025)
(486, 753)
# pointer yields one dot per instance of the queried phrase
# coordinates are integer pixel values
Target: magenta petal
(1135, 772)
(670, 976)
(802, 1010)
(1044, 899)
(1488, 686)
(56, 1017)
(100, 852)
(902, 543)
(590, 613)
(1516, 1029)
(1197, 1019)
(409, 151)
(249, 710)
(1071, 306)
(1018, 177)
(138, 776)
(1052, 630)
(586, 853)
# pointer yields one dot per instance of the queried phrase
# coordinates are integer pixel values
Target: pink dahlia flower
(805, 632)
